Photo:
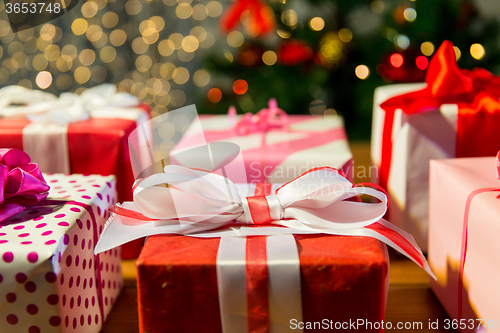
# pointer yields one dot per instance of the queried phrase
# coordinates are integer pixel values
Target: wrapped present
(464, 211)
(282, 276)
(275, 147)
(454, 114)
(86, 134)
(50, 279)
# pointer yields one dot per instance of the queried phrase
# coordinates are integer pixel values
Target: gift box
(50, 279)
(93, 141)
(275, 147)
(464, 211)
(342, 279)
(454, 114)
(258, 257)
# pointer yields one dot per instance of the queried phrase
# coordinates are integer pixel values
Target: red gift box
(95, 146)
(343, 279)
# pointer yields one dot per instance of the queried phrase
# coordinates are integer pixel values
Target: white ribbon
(196, 203)
(285, 299)
(45, 138)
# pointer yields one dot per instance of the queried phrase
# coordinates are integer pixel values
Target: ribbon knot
(261, 209)
(263, 121)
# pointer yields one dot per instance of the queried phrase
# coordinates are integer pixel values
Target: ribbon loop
(261, 122)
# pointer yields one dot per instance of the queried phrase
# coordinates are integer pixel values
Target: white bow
(42, 107)
(199, 203)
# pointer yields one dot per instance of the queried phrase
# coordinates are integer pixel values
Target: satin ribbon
(203, 204)
(272, 118)
(474, 92)
(465, 234)
(21, 183)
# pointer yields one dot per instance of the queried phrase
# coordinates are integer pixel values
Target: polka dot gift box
(50, 280)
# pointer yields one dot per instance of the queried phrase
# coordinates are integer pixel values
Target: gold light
(427, 48)
(133, 7)
(458, 53)
(345, 35)
(166, 70)
(183, 11)
(214, 8)
(143, 63)
(117, 37)
(185, 56)
(87, 57)
(107, 54)
(180, 75)
(98, 74)
(82, 74)
(64, 81)
(201, 78)
(166, 47)
(269, 58)
(43, 80)
(362, 72)
(139, 45)
(289, 17)
(89, 9)
(477, 51)
(40, 62)
(317, 24)
(235, 38)
(109, 19)
(200, 12)
(48, 31)
(25, 83)
(199, 32)
(158, 22)
(79, 26)
(177, 98)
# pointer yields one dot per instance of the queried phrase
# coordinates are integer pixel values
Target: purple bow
(21, 183)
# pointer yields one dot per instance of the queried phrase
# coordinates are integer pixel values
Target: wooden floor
(410, 299)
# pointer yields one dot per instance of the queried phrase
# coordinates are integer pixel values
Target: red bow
(474, 92)
(261, 18)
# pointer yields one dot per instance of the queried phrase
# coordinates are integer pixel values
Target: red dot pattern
(37, 299)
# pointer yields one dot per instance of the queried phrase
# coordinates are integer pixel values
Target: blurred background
(313, 56)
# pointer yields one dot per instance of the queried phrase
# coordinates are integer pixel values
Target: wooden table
(410, 298)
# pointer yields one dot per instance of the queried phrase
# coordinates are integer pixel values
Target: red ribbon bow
(474, 92)
(21, 183)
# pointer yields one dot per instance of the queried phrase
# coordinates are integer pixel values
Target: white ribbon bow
(42, 107)
(199, 203)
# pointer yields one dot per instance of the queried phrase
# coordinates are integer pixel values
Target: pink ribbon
(272, 118)
(263, 121)
(465, 234)
(21, 183)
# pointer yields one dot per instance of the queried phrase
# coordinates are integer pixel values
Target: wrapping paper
(310, 141)
(50, 280)
(451, 183)
(177, 273)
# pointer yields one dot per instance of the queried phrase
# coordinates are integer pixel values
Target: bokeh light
(240, 87)
(427, 48)
(477, 51)
(316, 24)
(269, 58)
(43, 80)
(214, 95)
(396, 60)
(362, 72)
(422, 62)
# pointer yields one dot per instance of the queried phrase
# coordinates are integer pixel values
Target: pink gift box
(50, 279)
(286, 153)
(453, 183)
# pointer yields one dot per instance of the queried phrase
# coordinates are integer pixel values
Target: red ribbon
(272, 118)
(465, 234)
(257, 275)
(476, 94)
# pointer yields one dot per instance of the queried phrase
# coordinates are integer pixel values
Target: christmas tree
(312, 56)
